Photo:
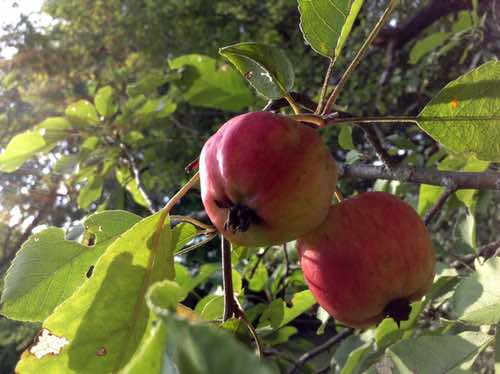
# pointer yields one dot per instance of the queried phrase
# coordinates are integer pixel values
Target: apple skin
(372, 251)
(277, 170)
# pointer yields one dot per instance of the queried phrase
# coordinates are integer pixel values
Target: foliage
(100, 113)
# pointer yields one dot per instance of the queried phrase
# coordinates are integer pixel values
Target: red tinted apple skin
(372, 249)
(277, 167)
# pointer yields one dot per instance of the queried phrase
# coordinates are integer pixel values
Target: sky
(10, 12)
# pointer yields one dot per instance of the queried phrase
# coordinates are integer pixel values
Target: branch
(403, 173)
(429, 216)
(320, 349)
(372, 138)
(135, 172)
(437, 9)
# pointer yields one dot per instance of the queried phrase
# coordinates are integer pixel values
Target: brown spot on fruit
(102, 352)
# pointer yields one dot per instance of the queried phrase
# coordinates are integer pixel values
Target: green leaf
(127, 181)
(345, 137)
(426, 45)
(90, 192)
(259, 279)
(437, 354)
(158, 108)
(279, 314)
(188, 282)
(180, 347)
(48, 268)
(387, 332)
(82, 113)
(149, 358)
(477, 298)
(212, 309)
(474, 94)
(266, 67)
(468, 197)
(105, 102)
(183, 234)
(209, 84)
(163, 297)
(467, 229)
(53, 129)
(147, 84)
(497, 349)
(326, 24)
(106, 319)
(21, 148)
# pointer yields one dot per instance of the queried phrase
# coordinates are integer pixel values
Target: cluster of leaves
(109, 299)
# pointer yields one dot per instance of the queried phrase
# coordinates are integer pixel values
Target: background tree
(115, 98)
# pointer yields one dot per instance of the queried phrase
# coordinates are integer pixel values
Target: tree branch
(372, 138)
(429, 216)
(403, 173)
(320, 349)
(437, 9)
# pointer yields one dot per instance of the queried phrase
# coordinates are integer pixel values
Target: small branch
(359, 56)
(135, 172)
(489, 250)
(282, 284)
(403, 173)
(372, 138)
(403, 119)
(320, 349)
(260, 256)
(326, 83)
(429, 216)
(230, 306)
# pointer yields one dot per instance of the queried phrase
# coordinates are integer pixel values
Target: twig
(326, 83)
(135, 172)
(489, 250)
(230, 306)
(281, 286)
(260, 256)
(403, 173)
(359, 56)
(429, 216)
(372, 138)
(320, 349)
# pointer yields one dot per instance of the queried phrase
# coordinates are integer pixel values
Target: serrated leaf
(326, 24)
(82, 112)
(477, 298)
(105, 102)
(106, 319)
(21, 148)
(48, 268)
(90, 192)
(474, 94)
(266, 67)
(209, 84)
(437, 354)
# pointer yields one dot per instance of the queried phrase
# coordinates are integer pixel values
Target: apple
(266, 179)
(370, 258)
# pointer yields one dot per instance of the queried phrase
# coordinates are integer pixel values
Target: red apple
(266, 179)
(368, 260)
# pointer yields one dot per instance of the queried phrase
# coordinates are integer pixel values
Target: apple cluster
(267, 179)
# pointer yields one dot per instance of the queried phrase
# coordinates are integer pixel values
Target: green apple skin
(373, 249)
(278, 169)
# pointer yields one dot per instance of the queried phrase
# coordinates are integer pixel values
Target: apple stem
(310, 118)
(231, 305)
(295, 107)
